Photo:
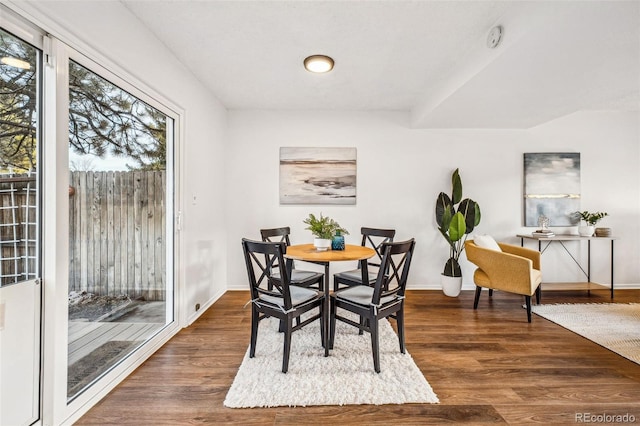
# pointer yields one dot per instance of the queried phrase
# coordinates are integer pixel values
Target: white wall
(402, 170)
(109, 30)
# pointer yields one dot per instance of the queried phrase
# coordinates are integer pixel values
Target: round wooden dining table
(308, 253)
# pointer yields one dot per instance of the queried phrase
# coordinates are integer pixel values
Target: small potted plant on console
(591, 219)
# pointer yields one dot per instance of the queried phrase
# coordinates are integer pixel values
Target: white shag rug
(346, 376)
(616, 326)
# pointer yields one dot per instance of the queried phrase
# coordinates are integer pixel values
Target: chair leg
(475, 301)
(287, 344)
(335, 284)
(254, 331)
(538, 294)
(400, 324)
(322, 330)
(375, 346)
(490, 292)
(362, 323)
(332, 323)
(528, 302)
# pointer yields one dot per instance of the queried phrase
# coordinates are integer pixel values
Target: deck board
(84, 337)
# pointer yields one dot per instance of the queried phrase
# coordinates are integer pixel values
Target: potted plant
(591, 219)
(323, 228)
(456, 219)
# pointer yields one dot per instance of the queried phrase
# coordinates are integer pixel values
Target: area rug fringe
(615, 326)
(345, 377)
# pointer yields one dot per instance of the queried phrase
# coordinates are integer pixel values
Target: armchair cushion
(486, 241)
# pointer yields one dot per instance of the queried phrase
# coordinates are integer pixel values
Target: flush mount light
(15, 62)
(318, 63)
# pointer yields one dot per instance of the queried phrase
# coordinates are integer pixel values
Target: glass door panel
(20, 290)
(120, 289)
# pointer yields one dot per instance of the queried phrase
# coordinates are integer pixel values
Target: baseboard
(465, 286)
(195, 315)
(437, 286)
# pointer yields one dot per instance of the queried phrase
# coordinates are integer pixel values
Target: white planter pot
(451, 285)
(586, 230)
(321, 244)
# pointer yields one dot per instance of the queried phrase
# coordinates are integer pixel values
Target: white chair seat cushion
(298, 275)
(486, 241)
(356, 275)
(299, 295)
(361, 294)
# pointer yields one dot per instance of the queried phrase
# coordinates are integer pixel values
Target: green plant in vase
(591, 219)
(323, 228)
(456, 219)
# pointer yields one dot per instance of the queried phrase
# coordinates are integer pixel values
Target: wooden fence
(117, 233)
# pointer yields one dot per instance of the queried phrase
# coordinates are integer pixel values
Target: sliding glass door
(120, 227)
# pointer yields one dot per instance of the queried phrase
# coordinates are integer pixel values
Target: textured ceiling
(429, 58)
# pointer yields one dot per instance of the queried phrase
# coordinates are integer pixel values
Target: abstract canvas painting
(551, 188)
(317, 175)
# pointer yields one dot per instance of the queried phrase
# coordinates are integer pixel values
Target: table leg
(612, 269)
(325, 318)
(589, 267)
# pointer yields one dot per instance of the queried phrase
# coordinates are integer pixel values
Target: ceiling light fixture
(318, 63)
(15, 62)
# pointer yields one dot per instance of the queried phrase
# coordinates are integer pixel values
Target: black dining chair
(277, 297)
(384, 300)
(373, 237)
(298, 277)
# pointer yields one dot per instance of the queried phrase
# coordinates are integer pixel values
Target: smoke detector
(494, 37)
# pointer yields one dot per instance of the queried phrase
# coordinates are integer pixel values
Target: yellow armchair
(514, 269)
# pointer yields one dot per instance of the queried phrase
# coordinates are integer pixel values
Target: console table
(561, 239)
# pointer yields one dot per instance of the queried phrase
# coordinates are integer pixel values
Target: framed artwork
(551, 188)
(317, 175)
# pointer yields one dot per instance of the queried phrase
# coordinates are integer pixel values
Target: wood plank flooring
(486, 366)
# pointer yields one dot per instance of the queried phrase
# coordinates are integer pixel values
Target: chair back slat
(394, 270)
(375, 238)
(279, 235)
(276, 235)
(261, 259)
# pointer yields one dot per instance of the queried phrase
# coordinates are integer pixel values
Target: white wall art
(317, 175)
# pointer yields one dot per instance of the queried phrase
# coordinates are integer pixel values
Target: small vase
(586, 230)
(338, 242)
(321, 244)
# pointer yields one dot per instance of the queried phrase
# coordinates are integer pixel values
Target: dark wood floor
(486, 366)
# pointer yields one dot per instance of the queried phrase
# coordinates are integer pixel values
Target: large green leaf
(443, 205)
(452, 268)
(468, 210)
(457, 227)
(456, 187)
